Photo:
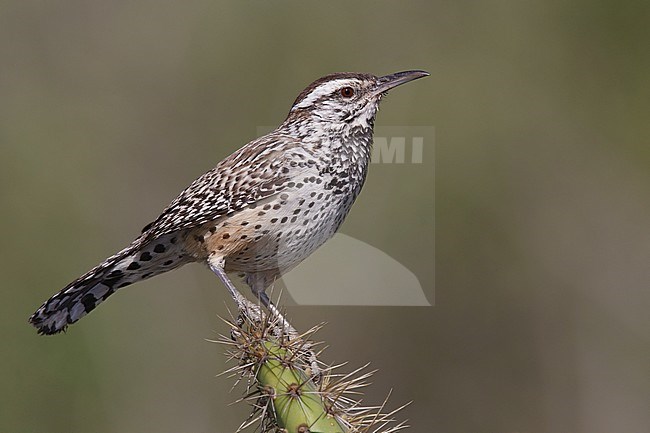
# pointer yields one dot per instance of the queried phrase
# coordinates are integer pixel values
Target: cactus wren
(260, 211)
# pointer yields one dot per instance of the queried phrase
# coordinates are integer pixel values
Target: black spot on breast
(168, 262)
(159, 248)
(133, 266)
(146, 256)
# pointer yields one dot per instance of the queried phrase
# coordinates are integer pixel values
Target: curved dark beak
(387, 82)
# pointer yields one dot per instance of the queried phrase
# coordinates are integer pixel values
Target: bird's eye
(347, 92)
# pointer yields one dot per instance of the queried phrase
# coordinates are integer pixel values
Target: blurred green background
(542, 205)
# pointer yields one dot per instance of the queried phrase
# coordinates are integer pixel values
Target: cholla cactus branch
(289, 389)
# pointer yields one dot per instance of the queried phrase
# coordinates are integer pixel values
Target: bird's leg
(281, 324)
(266, 301)
(217, 266)
(258, 282)
(258, 285)
(243, 305)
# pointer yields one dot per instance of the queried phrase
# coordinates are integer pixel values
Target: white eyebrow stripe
(324, 89)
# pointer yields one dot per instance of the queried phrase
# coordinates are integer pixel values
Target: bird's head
(343, 102)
